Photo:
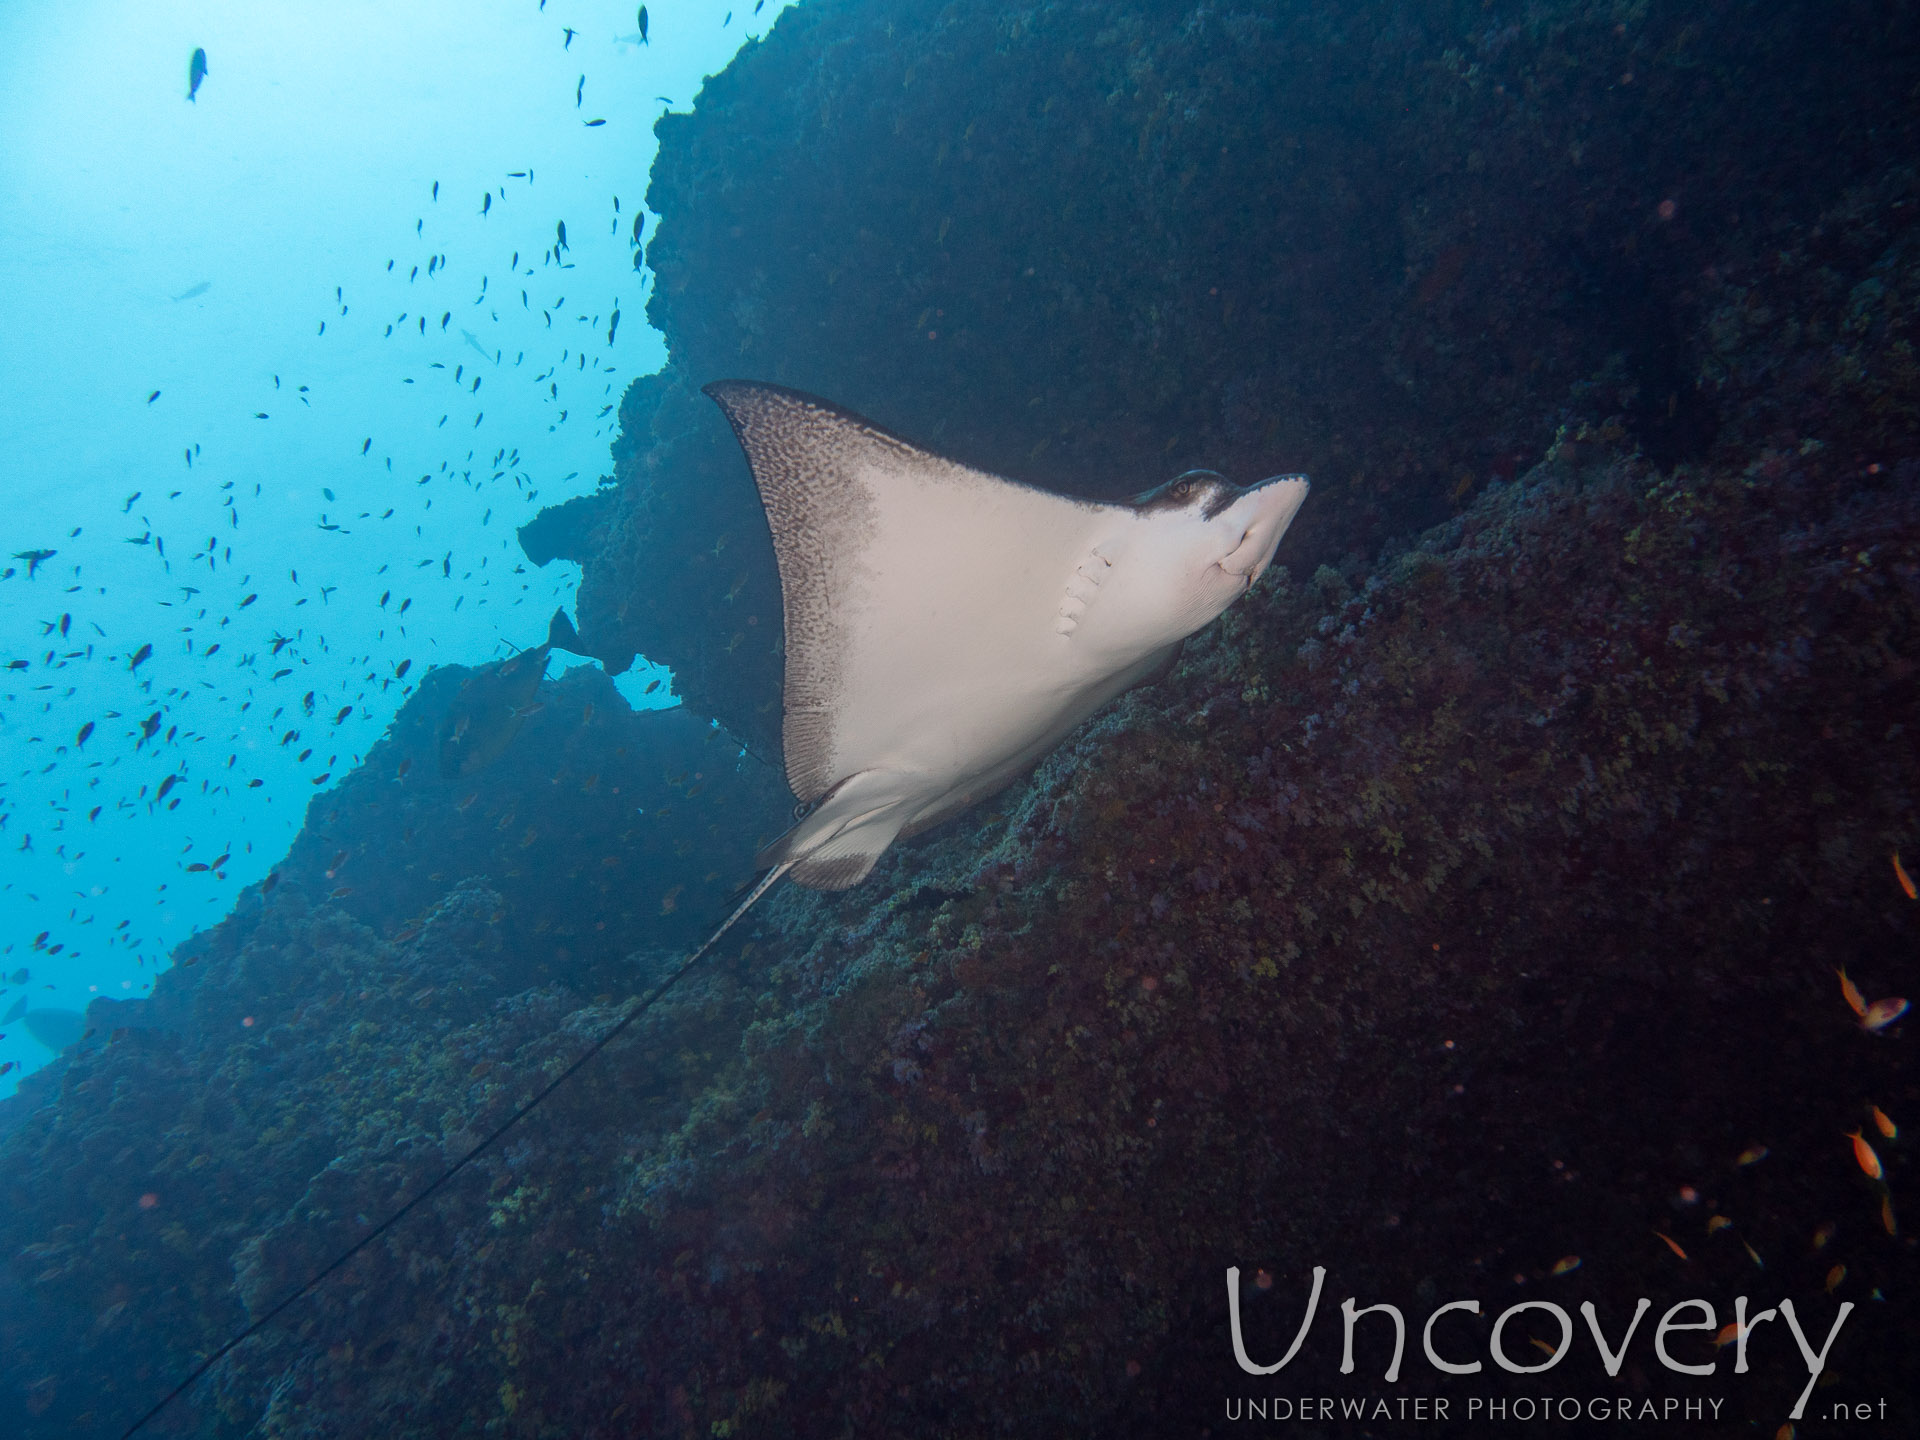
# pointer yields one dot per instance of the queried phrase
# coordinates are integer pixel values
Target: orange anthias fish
(1856, 1002)
(1672, 1244)
(1884, 1124)
(1906, 880)
(1882, 1013)
(1864, 1156)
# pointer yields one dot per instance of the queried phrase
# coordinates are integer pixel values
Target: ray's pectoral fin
(946, 627)
(836, 845)
(1083, 587)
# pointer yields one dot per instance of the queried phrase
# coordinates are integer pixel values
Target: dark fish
(153, 397)
(593, 124)
(56, 1029)
(148, 727)
(613, 325)
(571, 32)
(85, 731)
(196, 73)
(165, 785)
(639, 220)
(486, 203)
(192, 291)
(34, 559)
(561, 230)
(140, 656)
(643, 25)
(579, 91)
(492, 704)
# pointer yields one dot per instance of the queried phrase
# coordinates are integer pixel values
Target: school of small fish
(306, 687)
(1874, 1018)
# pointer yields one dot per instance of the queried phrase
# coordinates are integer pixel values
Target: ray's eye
(1182, 488)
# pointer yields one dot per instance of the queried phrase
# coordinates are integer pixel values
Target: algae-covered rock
(1435, 922)
(1462, 915)
(1092, 245)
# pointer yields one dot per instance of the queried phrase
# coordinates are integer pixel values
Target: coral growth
(1459, 906)
(1091, 245)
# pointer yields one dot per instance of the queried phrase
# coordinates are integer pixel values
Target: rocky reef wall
(1435, 923)
(197, 1148)
(1461, 906)
(1091, 245)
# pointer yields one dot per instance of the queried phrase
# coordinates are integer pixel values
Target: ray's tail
(635, 1009)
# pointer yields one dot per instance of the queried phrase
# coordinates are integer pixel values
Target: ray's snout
(1265, 510)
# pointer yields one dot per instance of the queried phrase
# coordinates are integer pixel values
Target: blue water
(317, 468)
